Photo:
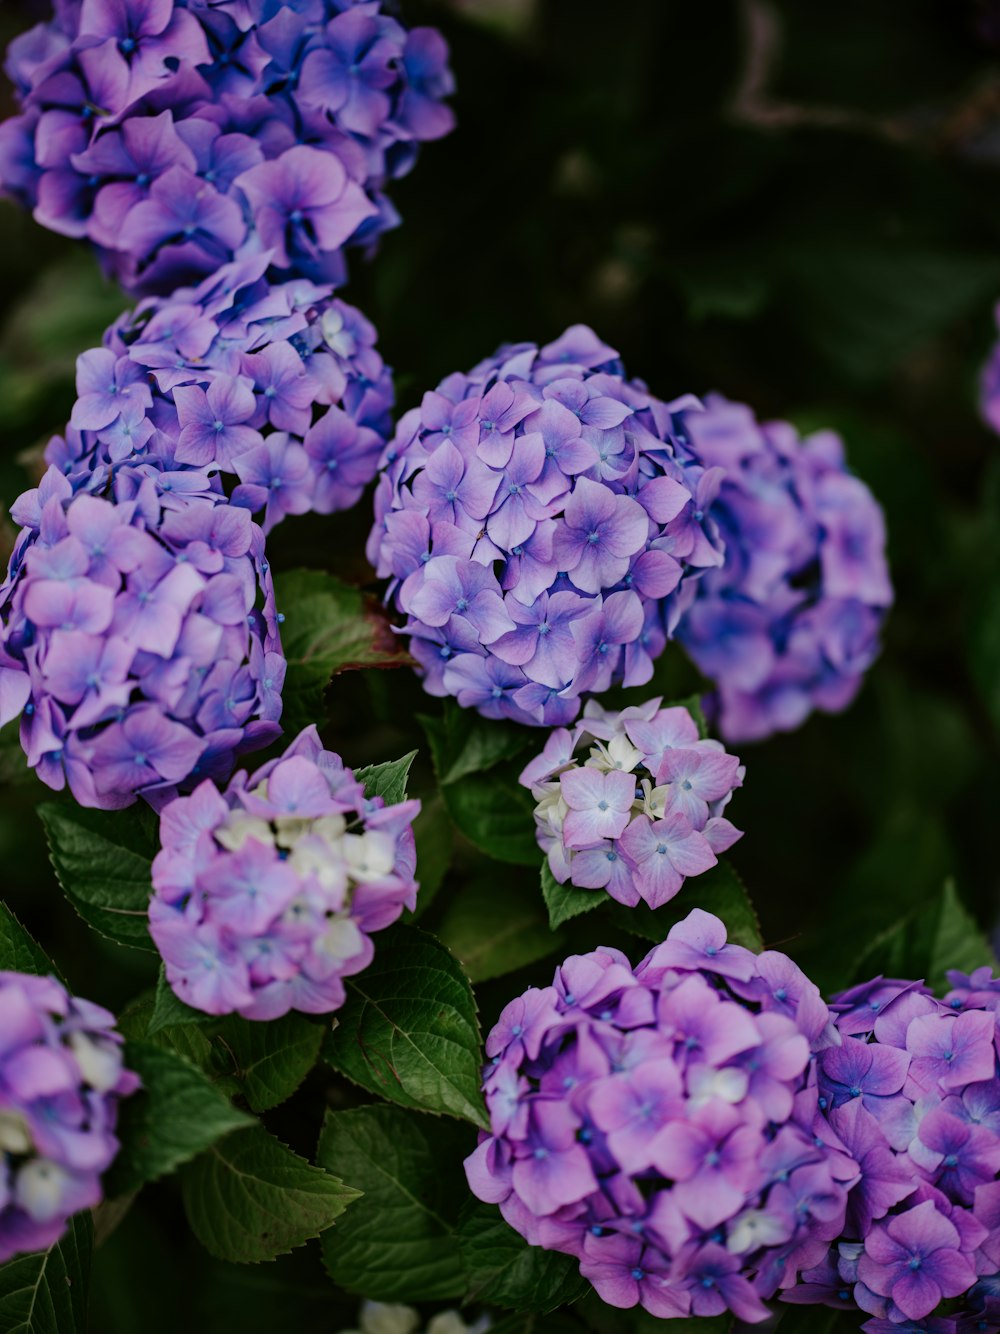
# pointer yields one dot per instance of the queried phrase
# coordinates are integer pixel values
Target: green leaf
(176, 1114)
(502, 1269)
(188, 1040)
(270, 1060)
(468, 744)
(493, 933)
(408, 1030)
(386, 780)
(719, 891)
(432, 830)
(490, 808)
(329, 627)
(46, 1292)
(18, 951)
(567, 901)
(938, 935)
(103, 860)
(400, 1245)
(251, 1198)
(169, 1011)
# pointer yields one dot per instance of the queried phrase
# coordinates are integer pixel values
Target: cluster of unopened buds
(266, 895)
(61, 1079)
(631, 801)
(176, 135)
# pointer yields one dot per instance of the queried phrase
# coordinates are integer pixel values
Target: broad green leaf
(408, 1030)
(567, 901)
(270, 1060)
(432, 830)
(938, 935)
(719, 891)
(169, 1010)
(503, 1270)
(400, 1244)
(490, 808)
(46, 1292)
(18, 951)
(493, 930)
(176, 1114)
(386, 780)
(329, 627)
(103, 859)
(250, 1198)
(188, 1040)
(466, 743)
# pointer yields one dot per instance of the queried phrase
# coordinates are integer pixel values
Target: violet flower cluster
(61, 1078)
(539, 529)
(138, 637)
(661, 1123)
(791, 621)
(277, 386)
(641, 809)
(266, 895)
(913, 1094)
(175, 135)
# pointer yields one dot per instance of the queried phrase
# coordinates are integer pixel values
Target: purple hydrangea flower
(266, 895)
(790, 621)
(132, 644)
(176, 135)
(555, 485)
(631, 1128)
(913, 1094)
(641, 809)
(61, 1079)
(280, 387)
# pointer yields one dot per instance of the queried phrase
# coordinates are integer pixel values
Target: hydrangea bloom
(175, 135)
(266, 895)
(790, 622)
(278, 386)
(139, 638)
(540, 530)
(661, 1123)
(61, 1077)
(913, 1093)
(641, 809)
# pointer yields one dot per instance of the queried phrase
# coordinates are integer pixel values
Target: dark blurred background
(795, 204)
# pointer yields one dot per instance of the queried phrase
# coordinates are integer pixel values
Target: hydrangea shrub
(913, 1093)
(277, 388)
(790, 621)
(139, 637)
(661, 1124)
(641, 809)
(176, 135)
(61, 1079)
(540, 530)
(266, 896)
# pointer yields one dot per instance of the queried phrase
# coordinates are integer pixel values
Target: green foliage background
(798, 205)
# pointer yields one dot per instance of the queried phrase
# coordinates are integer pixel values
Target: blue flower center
(593, 538)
